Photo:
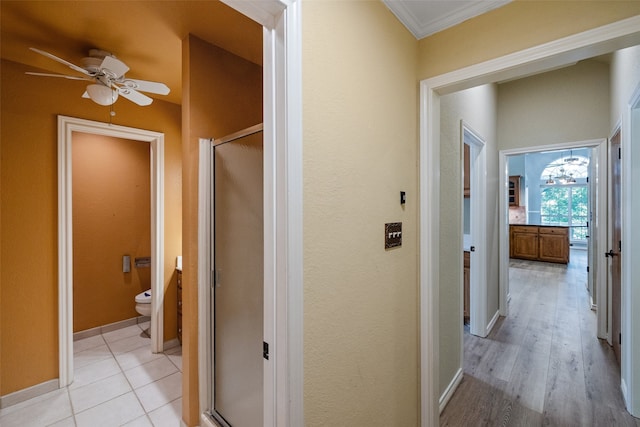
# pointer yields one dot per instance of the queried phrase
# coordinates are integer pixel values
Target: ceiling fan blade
(134, 96)
(62, 61)
(147, 86)
(58, 75)
(114, 65)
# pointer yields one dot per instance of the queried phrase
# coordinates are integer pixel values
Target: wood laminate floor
(542, 365)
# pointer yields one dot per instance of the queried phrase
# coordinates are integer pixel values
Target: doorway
(597, 217)
(283, 275)
(532, 60)
(474, 237)
(66, 127)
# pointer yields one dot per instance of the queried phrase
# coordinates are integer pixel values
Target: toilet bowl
(143, 303)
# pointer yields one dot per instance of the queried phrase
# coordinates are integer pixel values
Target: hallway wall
(566, 105)
(360, 109)
(477, 107)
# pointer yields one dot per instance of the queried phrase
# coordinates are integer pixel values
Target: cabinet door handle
(472, 249)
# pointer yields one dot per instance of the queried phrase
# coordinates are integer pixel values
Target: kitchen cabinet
(466, 288)
(553, 244)
(523, 242)
(539, 243)
(514, 190)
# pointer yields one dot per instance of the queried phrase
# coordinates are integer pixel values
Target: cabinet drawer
(523, 229)
(554, 230)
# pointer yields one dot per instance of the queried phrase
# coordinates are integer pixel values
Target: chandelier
(565, 170)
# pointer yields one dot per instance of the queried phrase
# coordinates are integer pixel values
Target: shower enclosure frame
(283, 265)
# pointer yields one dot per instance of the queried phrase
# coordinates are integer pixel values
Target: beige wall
(222, 94)
(29, 107)
(360, 98)
(514, 27)
(478, 108)
(625, 78)
(566, 105)
(111, 218)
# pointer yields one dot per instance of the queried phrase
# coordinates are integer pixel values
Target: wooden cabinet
(180, 306)
(553, 244)
(539, 243)
(467, 171)
(514, 190)
(523, 242)
(466, 288)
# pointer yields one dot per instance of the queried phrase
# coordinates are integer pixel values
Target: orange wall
(111, 218)
(29, 277)
(222, 94)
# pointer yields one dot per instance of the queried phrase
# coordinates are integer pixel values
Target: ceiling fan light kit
(101, 94)
(108, 74)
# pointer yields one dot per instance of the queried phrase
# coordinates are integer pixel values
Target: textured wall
(360, 150)
(111, 218)
(29, 202)
(570, 104)
(477, 107)
(518, 25)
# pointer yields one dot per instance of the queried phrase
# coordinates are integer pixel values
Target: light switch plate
(392, 235)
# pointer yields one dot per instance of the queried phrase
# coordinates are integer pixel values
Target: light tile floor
(117, 382)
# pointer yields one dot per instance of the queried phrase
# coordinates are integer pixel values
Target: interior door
(238, 295)
(614, 252)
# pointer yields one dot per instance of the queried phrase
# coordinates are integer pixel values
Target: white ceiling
(425, 17)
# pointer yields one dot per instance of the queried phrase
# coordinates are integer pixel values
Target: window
(564, 196)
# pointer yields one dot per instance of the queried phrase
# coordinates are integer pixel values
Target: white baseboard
(451, 388)
(492, 323)
(108, 328)
(28, 393)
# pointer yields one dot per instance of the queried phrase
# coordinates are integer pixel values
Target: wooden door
(614, 253)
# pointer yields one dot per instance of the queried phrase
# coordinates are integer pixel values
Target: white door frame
(547, 56)
(283, 254)
(599, 226)
(66, 127)
(478, 214)
(630, 195)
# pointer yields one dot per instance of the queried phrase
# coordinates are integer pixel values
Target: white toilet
(143, 303)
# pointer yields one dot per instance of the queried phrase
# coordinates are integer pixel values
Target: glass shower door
(238, 294)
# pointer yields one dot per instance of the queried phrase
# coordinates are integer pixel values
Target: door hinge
(587, 268)
(265, 350)
(619, 152)
(620, 338)
(619, 245)
(587, 179)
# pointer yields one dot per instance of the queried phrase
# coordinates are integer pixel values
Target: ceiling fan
(107, 74)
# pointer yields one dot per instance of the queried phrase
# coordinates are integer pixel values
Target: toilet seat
(144, 297)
